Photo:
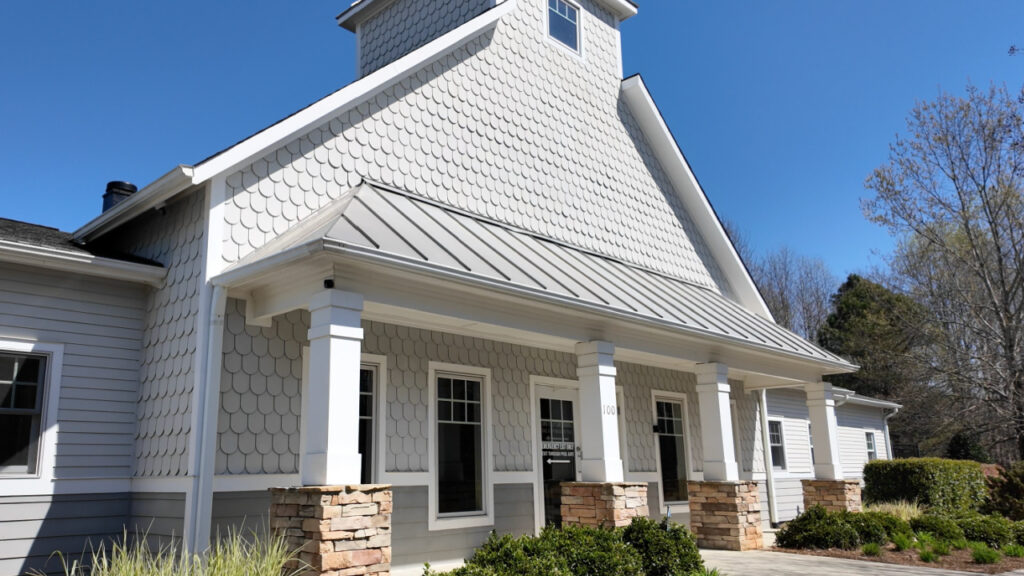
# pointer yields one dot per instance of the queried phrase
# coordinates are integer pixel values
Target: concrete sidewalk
(759, 563)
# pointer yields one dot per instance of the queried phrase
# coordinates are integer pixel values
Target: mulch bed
(957, 559)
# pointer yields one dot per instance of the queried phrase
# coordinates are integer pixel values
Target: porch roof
(382, 223)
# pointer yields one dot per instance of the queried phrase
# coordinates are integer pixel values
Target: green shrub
(869, 527)
(941, 527)
(892, 523)
(506, 555)
(591, 551)
(965, 446)
(1014, 551)
(1018, 532)
(943, 485)
(1006, 493)
(941, 548)
(959, 544)
(665, 549)
(927, 556)
(902, 542)
(818, 528)
(992, 530)
(871, 549)
(982, 554)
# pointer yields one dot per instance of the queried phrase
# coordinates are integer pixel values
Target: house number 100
(610, 410)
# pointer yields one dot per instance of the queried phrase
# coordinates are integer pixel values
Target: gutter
(85, 264)
(885, 430)
(769, 466)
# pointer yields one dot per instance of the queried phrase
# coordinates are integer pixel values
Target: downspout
(202, 497)
(885, 426)
(766, 449)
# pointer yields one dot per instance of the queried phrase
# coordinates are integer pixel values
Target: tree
(796, 289)
(951, 190)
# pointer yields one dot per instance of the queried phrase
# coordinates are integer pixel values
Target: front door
(559, 447)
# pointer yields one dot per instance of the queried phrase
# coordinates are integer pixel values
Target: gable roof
(361, 10)
(35, 245)
(383, 224)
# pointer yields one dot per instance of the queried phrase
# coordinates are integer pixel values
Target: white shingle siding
(260, 394)
(174, 238)
(637, 383)
(100, 325)
(509, 126)
(405, 25)
(854, 421)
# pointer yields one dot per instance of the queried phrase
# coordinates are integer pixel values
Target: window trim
(870, 434)
(691, 475)
(46, 455)
(436, 521)
(380, 411)
(782, 444)
(578, 52)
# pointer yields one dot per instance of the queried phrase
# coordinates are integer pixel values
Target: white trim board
(76, 262)
(680, 397)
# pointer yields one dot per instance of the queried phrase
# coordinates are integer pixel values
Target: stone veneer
(726, 515)
(833, 495)
(603, 503)
(338, 530)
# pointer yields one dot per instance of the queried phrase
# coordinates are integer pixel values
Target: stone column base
(833, 495)
(338, 530)
(726, 515)
(608, 504)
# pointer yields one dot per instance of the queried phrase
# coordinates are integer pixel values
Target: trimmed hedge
(818, 528)
(644, 548)
(951, 486)
(892, 523)
(995, 531)
(941, 527)
(870, 529)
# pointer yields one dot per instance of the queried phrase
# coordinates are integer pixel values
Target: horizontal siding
(246, 512)
(412, 544)
(157, 515)
(100, 324)
(789, 498)
(33, 527)
(790, 406)
(854, 421)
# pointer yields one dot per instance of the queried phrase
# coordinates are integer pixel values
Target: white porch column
(716, 423)
(331, 404)
(822, 409)
(599, 420)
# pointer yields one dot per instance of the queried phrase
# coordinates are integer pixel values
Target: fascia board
(349, 96)
(692, 195)
(156, 193)
(872, 402)
(53, 259)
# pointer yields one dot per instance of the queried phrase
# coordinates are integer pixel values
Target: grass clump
(982, 554)
(902, 542)
(1014, 551)
(871, 549)
(902, 509)
(233, 555)
(941, 548)
(927, 555)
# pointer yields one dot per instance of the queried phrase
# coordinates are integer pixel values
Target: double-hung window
(460, 446)
(775, 441)
(869, 440)
(564, 23)
(22, 381)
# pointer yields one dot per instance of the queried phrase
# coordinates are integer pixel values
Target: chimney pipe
(117, 191)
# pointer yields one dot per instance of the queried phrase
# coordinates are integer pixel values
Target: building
(427, 279)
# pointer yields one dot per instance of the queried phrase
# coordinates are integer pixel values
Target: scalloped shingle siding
(408, 24)
(638, 381)
(175, 239)
(508, 126)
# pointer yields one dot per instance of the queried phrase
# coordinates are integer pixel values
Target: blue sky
(782, 107)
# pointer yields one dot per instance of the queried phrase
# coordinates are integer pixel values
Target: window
(367, 381)
(671, 450)
(775, 441)
(563, 23)
(460, 483)
(22, 378)
(810, 442)
(869, 438)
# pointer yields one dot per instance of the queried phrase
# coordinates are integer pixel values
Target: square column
(330, 454)
(822, 409)
(599, 412)
(716, 423)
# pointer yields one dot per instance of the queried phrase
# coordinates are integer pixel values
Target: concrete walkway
(761, 563)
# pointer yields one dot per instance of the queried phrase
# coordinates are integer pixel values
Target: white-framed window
(564, 23)
(30, 374)
(672, 446)
(777, 444)
(869, 440)
(460, 455)
(368, 378)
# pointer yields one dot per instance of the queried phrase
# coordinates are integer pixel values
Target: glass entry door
(559, 447)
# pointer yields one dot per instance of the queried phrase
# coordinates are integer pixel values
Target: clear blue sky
(782, 107)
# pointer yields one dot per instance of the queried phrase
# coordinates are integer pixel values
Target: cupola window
(564, 23)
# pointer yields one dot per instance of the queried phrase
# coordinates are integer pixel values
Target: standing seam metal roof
(379, 219)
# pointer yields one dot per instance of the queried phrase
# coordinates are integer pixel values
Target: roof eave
(361, 11)
(155, 194)
(77, 263)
